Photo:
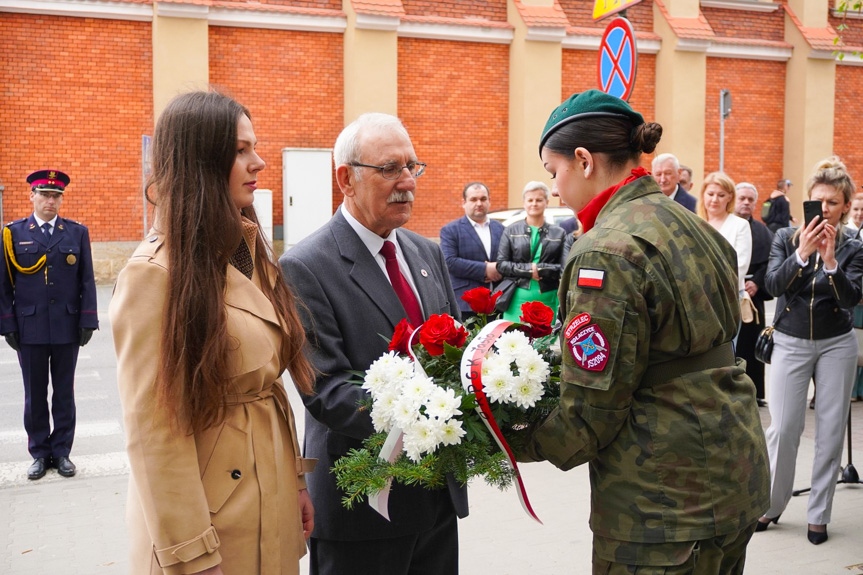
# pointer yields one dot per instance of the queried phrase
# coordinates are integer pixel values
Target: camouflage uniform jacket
(674, 460)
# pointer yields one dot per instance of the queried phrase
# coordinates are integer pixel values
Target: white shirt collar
(41, 222)
(371, 240)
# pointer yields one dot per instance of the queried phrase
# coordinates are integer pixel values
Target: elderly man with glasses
(358, 277)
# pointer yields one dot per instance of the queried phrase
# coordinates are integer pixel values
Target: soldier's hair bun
(646, 136)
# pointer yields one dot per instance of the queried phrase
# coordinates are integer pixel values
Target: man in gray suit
(351, 292)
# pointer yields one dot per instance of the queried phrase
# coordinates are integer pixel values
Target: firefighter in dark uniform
(47, 311)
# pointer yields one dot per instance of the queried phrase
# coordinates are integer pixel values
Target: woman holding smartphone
(816, 272)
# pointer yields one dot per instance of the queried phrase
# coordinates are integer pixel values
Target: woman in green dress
(530, 254)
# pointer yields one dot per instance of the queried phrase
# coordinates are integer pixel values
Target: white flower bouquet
(447, 403)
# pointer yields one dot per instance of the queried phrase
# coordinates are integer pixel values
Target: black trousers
(37, 362)
(431, 552)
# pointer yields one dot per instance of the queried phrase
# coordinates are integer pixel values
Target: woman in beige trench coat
(203, 328)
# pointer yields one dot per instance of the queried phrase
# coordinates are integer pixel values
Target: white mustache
(396, 197)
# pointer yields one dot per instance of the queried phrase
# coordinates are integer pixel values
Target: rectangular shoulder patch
(590, 278)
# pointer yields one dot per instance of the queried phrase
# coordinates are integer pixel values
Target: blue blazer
(685, 199)
(466, 257)
(51, 305)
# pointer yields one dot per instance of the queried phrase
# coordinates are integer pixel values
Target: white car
(553, 215)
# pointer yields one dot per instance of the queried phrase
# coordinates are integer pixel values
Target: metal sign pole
(721, 134)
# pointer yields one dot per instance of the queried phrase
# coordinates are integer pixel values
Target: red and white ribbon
(471, 380)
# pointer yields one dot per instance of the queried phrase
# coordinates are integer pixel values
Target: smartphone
(812, 208)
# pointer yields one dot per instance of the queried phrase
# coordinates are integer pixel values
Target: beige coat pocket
(226, 468)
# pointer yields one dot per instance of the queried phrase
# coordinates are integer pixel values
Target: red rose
(440, 329)
(538, 317)
(481, 300)
(401, 337)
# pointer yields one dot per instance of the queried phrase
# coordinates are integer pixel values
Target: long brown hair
(194, 149)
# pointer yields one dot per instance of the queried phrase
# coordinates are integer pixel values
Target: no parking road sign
(617, 59)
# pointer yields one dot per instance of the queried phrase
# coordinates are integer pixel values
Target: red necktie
(401, 286)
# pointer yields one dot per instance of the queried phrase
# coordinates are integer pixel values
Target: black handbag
(764, 343)
(507, 289)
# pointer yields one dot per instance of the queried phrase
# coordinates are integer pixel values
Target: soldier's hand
(86, 334)
(12, 340)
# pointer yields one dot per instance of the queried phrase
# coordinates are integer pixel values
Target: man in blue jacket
(470, 244)
(47, 311)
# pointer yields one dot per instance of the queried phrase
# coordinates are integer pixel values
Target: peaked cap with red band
(48, 181)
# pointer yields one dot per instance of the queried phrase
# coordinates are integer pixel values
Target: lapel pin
(424, 273)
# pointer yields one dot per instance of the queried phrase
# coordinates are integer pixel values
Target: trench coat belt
(263, 440)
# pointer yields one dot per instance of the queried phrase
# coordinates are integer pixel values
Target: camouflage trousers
(724, 555)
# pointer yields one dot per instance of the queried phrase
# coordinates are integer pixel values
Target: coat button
(235, 474)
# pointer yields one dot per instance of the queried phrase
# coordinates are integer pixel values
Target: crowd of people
(205, 321)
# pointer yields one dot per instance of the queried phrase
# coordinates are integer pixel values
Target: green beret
(589, 104)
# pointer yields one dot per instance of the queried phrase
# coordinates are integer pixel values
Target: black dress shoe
(64, 466)
(761, 403)
(816, 537)
(761, 525)
(38, 468)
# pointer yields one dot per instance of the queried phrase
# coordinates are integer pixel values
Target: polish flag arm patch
(590, 278)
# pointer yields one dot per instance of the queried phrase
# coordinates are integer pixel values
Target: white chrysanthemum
(532, 366)
(493, 362)
(381, 421)
(422, 437)
(452, 432)
(406, 411)
(419, 388)
(510, 343)
(443, 404)
(402, 370)
(497, 385)
(526, 393)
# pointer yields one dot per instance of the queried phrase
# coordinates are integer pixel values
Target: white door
(307, 191)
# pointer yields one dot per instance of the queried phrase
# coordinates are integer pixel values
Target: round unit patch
(589, 348)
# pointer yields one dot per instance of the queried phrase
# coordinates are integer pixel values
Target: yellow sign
(603, 8)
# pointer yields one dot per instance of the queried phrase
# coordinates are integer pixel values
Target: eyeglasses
(394, 171)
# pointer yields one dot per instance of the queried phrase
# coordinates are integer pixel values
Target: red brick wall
(77, 96)
(755, 129)
(291, 82)
(579, 74)
(847, 136)
(456, 112)
(752, 25)
(494, 10)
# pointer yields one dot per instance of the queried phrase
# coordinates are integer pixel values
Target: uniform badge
(52, 175)
(60, 227)
(71, 259)
(32, 226)
(576, 323)
(591, 279)
(30, 243)
(589, 348)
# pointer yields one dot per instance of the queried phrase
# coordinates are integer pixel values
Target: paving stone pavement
(77, 525)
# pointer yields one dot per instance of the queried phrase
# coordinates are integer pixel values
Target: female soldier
(651, 396)
(815, 271)
(203, 327)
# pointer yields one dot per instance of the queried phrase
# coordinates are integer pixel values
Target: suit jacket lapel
(364, 270)
(419, 271)
(36, 233)
(471, 232)
(58, 232)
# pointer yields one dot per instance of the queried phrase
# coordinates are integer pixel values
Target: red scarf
(587, 216)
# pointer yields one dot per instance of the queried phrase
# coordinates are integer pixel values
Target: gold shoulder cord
(10, 257)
